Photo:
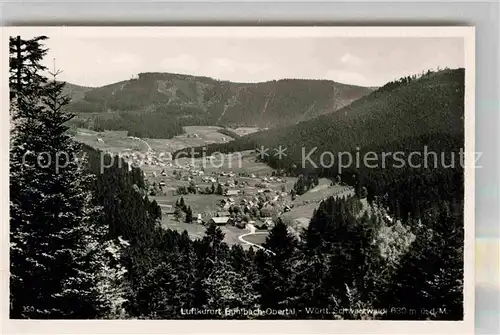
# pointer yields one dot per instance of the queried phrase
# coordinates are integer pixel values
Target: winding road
(253, 232)
(140, 139)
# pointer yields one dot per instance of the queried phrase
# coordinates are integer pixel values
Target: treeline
(305, 183)
(407, 80)
(163, 122)
(408, 189)
(146, 125)
(81, 228)
(230, 133)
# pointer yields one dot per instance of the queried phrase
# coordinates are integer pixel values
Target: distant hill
(202, 100)
(76, 92)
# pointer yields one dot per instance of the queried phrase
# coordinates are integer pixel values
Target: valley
(252, 196)
(245, 195)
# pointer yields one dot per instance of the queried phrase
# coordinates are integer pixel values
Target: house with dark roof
(219, 221)
(223, 213)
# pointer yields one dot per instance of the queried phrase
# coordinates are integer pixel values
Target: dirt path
(319, 188)
(146, 143)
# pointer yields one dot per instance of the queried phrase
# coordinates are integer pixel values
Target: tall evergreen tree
(277, 268)
(53, 232)
(189, 215)
(220, 190)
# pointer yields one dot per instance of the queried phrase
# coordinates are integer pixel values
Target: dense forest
(86, 241)
(229, 132)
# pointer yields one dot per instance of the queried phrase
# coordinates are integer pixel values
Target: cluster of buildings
(272, 179)
(151, 158)
(262, 223)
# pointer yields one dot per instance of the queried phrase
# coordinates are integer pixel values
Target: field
(320, 192)
(305, 204)
(300, 211)
(113, 141)
(194, 136)
(242, 131)
(197, 231)
(199, 203)
(194, 230)
(257, 238)
(231, 234)
(243, 161)
(118, 141)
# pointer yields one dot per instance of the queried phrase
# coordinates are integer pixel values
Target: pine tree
(189, 215)
(53, 230)
(25, 72)
(430, 277)
(277, 269)
(220, 190)
(211, 254)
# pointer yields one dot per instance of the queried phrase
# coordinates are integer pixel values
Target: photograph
(241, 173)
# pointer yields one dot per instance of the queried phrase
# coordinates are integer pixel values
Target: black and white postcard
(297, 179)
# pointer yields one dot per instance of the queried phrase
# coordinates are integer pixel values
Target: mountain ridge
(197, 99)
(405, 109)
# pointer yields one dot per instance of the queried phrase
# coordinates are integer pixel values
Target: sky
(365, 61)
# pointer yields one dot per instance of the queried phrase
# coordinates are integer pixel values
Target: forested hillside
(406, 115)
(165, 99)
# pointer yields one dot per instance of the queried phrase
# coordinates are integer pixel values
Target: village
(199, 194)
(241, 195)
(244, 200)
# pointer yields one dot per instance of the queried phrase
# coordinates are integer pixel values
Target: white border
(254, 327)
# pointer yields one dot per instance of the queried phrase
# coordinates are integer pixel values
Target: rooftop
(222, 219)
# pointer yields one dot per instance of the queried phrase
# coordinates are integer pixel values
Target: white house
(232, 192)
